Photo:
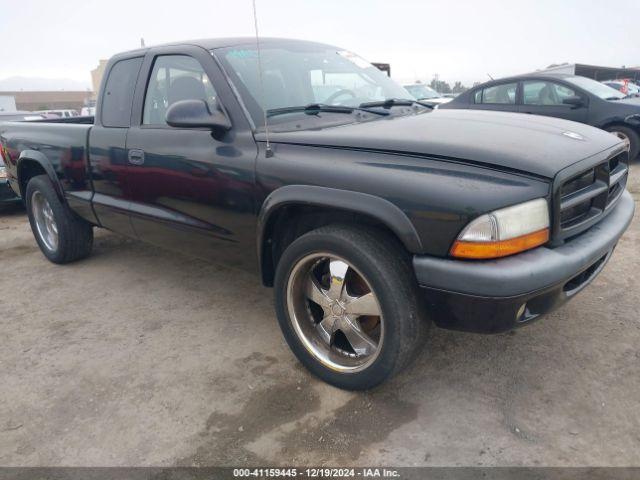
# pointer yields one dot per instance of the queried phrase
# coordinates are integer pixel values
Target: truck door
(541, 97)
(191, 189)
(107, 142)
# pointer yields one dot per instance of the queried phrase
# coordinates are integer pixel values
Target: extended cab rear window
(118, 93)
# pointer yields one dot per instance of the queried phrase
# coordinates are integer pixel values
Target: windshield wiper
(394, 102)
(613, 98)
(315, 108)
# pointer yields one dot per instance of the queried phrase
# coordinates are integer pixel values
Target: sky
(462, 40)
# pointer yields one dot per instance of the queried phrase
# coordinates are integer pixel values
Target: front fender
(379, 208)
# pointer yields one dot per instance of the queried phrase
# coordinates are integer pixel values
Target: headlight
(505, 232)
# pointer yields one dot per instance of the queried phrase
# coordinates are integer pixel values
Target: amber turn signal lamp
(486, 250)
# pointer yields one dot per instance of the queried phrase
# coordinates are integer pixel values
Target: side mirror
(196, 114)
(574, 100)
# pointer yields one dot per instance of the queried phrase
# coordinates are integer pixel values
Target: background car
(565, 96)
(7, 196)
(64, 113)
(426, 94)
(19, 116)
(626, 87)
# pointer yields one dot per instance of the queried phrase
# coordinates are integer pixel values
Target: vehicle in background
(88, 111)
(20, 116)
(624, 86)
(425, 94)
(7, 195)
(370, 214)
(65, 113)
(571, 97)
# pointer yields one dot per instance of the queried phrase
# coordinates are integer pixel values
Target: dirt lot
(138, 356)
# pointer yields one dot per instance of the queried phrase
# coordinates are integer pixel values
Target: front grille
(585, 196)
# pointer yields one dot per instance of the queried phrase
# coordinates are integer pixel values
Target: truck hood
(531, 144)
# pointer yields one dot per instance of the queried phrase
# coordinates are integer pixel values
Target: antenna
(489, 75)
(142, 43)
(268, 152)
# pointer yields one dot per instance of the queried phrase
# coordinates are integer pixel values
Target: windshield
(596, 88)
(421, 92)
(298, 74)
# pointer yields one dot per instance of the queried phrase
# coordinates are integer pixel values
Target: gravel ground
(138, 356)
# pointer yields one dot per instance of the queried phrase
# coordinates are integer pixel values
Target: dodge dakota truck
(372, 215)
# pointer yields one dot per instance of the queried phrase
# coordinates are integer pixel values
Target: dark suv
(565, 96)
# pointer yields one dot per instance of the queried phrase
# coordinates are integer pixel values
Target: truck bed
(58, 147)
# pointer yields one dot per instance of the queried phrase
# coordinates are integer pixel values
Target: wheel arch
(32, 163)
(295, 209)
(620, 122)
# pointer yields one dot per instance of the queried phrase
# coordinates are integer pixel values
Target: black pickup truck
(372, 215)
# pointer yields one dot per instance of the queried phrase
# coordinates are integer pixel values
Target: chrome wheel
(335, 312)
(44, 220)
(623, 137)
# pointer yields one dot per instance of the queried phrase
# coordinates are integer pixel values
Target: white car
(63, 113)
(426, 94)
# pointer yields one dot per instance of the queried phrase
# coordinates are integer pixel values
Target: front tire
(629, 136)
(348, 305)
(62, 236)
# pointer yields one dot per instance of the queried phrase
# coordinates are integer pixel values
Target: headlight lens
(505, 232)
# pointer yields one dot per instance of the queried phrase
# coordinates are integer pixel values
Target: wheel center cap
(337, 309)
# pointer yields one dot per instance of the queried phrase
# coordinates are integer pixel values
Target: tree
(458, 87)
(440, 86)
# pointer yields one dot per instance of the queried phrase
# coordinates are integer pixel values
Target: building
(96, 75)
(7, 103)
(593, 71)
(50, 100)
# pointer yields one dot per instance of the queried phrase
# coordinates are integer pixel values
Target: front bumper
(7, 195)
(498, 295)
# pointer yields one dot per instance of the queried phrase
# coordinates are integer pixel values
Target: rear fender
(30, 157)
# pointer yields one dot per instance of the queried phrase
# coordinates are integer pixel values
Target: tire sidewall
(43, 185)
(632, 135)
(387, 361)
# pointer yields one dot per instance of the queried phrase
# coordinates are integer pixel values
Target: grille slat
(585, 197)
(618, 173)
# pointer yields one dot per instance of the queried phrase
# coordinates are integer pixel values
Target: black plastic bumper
(498, 295)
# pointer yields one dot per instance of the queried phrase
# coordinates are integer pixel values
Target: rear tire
(629, 135)
(62, 236)
(357, 333)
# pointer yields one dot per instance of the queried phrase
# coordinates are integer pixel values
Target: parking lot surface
(138, 356)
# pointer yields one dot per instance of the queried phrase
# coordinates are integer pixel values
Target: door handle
(136, 156)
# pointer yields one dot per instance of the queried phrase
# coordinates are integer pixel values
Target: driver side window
(175, 78)
(537, 92)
